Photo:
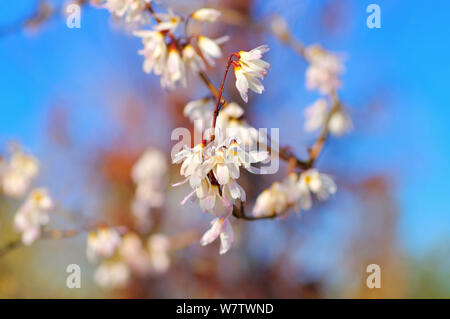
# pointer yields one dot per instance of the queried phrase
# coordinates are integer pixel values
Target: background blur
(79, 100)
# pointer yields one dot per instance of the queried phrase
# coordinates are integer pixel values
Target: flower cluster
(171, 58)
(249, 69)
(212, 172)
(317, 114)
(132, 12)
(230, 120)
(17, 174)
(148, 173)
(294, 192)
(33, 214)
(323, 70)
(125, 256)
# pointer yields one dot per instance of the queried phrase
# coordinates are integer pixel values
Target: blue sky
(404, 64)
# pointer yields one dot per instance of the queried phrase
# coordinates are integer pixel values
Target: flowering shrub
(211, 168)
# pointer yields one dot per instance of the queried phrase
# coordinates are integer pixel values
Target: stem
(219, 97)
(49, 234)
(152, 12)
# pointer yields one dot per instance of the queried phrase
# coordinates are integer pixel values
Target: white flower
(280, 28)
(192, 60)
(219, 228)
(135, 255)
(340, 123)
(151, 165)
(158, 248)
(210, 48)
(18, 173)
(231, 121)
(169, 22)
(200, 112)
(149, 175)
(102, 243)
(174, 72)
(154, 51)
(133, 11)
(271, 201)
(112, 274)
(192, 160)
(206, 15)
(324, 70)
(316, 116)
(311, 181)
(278, 198)
(249, 70)
(33, 214)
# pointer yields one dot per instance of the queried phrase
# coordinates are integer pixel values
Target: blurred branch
(50, 234)
(43, 12)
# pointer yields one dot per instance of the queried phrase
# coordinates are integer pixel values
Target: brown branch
(50, 234)
(239, 213)
(219, 97)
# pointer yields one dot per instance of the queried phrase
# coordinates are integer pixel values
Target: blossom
(192, 60)
(279, 28)
(317, 116)
(324, 70)
(151, 165)
(158, 249)
(174, 71)
(192, 159)
(102, 243)
(340, 123)
(135, 255)
(18, 173)
(210, 48)
(231, 121)
(154, 51)
(278, 198)
(249, 69)
(206, 15)
(311, 181)
(294, 192)
(148, 173)
(132, 11)
(33, 214)
(169, 22)
(112, 274)
(200, 112)
(220, 227)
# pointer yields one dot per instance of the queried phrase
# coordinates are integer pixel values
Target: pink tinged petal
(187, 197)
(208, 203)
(242, 85)
(212, 233)
(30, 235)
(222, 174)
(180, 183)
(226, 237)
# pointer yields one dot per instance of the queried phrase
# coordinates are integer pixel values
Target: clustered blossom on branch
(316, 117)
(294, 192)
(172, 57)
(33, 214)
(17, 173)
(212, 171)
(323, 70)
(212, 167)
(149, 175)
(130, 11)
(124, 256)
